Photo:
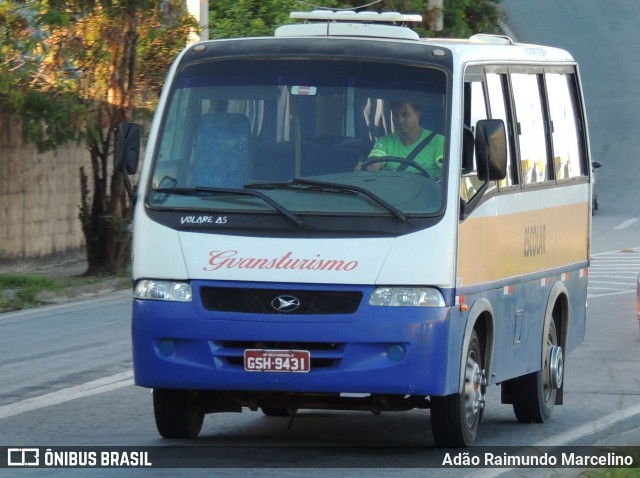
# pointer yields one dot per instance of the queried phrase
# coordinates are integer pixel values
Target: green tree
(74, 69)
(244, 18)
(463, 18)
(237, 18)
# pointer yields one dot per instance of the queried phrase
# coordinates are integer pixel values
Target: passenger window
(477, 110)
(497, 98)
(531, 128)
(565, 128)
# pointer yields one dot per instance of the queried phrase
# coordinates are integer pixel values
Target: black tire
(533, 394)
(178, 413)
(455, 418)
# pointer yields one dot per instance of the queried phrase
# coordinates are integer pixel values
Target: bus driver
(408, 141)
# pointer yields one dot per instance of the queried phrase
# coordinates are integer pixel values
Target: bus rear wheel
(534, 394)
(178, 413)
(455, 418)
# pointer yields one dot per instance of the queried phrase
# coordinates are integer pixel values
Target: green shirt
(430, 158)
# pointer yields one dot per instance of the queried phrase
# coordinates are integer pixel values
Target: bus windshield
(312, 136)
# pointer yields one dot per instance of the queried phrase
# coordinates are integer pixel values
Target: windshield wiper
(199, 190)
(312, 185)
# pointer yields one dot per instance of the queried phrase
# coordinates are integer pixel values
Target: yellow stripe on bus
(509, 245)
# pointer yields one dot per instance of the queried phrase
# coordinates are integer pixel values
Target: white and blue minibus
(275, 270)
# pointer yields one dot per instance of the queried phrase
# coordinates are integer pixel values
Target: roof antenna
(319, 7)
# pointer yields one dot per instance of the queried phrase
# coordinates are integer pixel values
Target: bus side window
(531, 128)
(496, 86)
(568, 156)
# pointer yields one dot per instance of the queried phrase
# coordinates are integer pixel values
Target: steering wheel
(394, 159)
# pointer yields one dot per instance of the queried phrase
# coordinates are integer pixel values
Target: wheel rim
(553, 366)
(474, 389)
(556, 367)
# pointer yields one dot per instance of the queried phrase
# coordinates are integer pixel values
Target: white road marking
(589, 428)
(626, 224)
(95, 387)
(630, 250)
(608, 294)
(611, 282)
(614, 272)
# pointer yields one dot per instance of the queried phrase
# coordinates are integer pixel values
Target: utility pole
(435, 17)
(200, 11)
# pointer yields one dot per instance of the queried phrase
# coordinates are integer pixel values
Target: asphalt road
(67, 382)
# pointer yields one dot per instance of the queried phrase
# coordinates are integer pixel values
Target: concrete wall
(39, 199)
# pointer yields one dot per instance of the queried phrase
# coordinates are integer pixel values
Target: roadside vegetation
(22, 291)
(612, 473)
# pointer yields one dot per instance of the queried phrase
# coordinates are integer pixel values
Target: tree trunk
(106, 223)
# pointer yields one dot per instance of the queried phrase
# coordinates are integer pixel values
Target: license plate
(260, 360)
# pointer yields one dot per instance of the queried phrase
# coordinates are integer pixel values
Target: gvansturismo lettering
(230, 259)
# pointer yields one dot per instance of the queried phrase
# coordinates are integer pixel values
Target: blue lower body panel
(385, 350)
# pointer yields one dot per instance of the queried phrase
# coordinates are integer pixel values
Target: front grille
(274, 345)
(260, 301)
(323, 354)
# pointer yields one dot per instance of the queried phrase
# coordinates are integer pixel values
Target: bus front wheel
(534, 394)
(178, 413)
(455, 418)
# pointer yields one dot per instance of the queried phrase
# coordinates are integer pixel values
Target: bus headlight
(407, 296)
(163, 290)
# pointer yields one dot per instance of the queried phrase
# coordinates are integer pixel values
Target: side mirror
(491, 149)
(126, 151)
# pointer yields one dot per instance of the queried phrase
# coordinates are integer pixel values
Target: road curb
(79, 291)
